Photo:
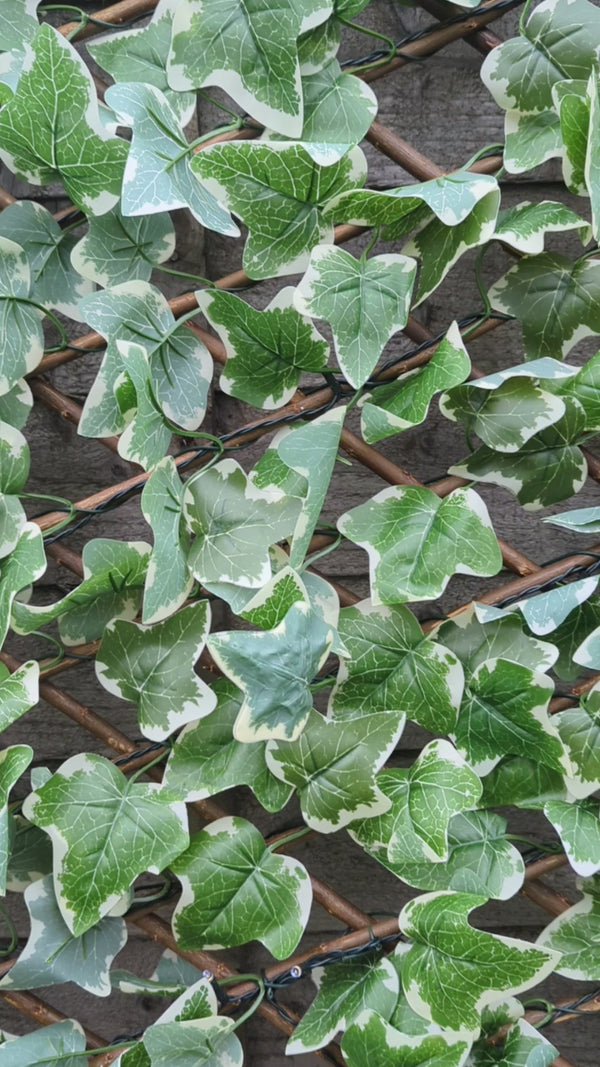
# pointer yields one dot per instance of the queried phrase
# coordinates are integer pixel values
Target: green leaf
(365, 301)
(14, 459)
(55, 282)
(474, 639)
(153, 666)
(395, 406)
(105, 831)
(505, 415)
(146, 436)
(317, 47)
(22, 338)
(524, 783)
(572, 103)
(113, 576)
(279, 193)
(51, 129)
(14, 761)
(234, 523)
(392, 667)
(16, 405)
(524, 226)
(570, 635)
(451, 971)
(168, 581)
(333, 765)
(578, 826)
(556, 300)
(345, 991)
(274, 670)
(194, 1043)
(583, 387)
(576, 935)
(206, 758)
(523, 1046)
(48, 1047)
(18, 22)
(370, 1039)
(440, 246)
(416, 541)
(26, 563)
(118, 249)
(53, 955)
(235, 889)
(18, 692)
(267, 351)
(157, 175)
(253, 54)
(505, 713)
(531, 138)
(30, 854)
(547, 611)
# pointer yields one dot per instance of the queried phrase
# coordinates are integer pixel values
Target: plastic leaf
(18, 692)
(194, 1043)
(578, 826)
(118, 248)
(524, 226)
(13, 762)
(18, 22)
(576, 935)
(26, 563)
(48, 1047)
(22, 345)
(372, 1040)
(168, 581)
(475, 639)
(505, 416)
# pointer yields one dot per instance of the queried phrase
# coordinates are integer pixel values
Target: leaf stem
(147, 766)
(256, 1002)
(53, 641)
(283, 842)
(237, 125)
(370, 33)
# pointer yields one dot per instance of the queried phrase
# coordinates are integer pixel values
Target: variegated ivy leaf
(168, 580)
(333, 766)
(51, 129)
(480, 859)
(146, 436)
(547, 469)
(13, 762)
(12, 522)
(545, 612)
(424, 798)
(58, 1045)
(451, 971)
(440, 246)
(524, 226)
(394, 406)
(295, 651)
(344, 991)
(392, 667)
(370, 1039)
(267, 351)
(55, 282)
(576, 935)
(523, 1046)
(18, 22)
(570, 635)
(338, 110)
(279, 193)
(16, 405)
(153, 666)
(580, 520)
(53, 955)
(113, 577)
(193, 1043)
(26, 563)
(365, 301)
(317, 47)
(505, 415)
(531, 138)
(14, 459)
(578, 826)
(474, 639)
(524, 783)
(30, 854)
(157, 173)
(234, 523)
(528, 291)
(118, 248)
(98, 821)
(171, 977)
(19, 692)
(21, 334)
(140, 55)
(206, 758)
(582, 386)
(504, 712)
(180, 365)
(253, 54)
(572, 102)
(236, 889)
(416, 541)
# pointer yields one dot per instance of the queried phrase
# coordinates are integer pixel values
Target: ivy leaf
(153, 666)
(416, 541)
(53, 955)
(580, 520)
(505, 712)
(370, 1039)
(557, 301)
(267, 351)
(578, 826)
(253, 55)
(547, 611)
(274, 670)
(523, 1046)
(391, 667)
(19, 692)
(234, 523)
(395, 406)
(26, 563)
(206, 758)
(22, 345)
(18, 22)
(194, 1043)
(572, 102)
(14, 459)
(365, 301)
(168, 581)
(235, 889)
(279, 193)
(51, 1046)
(51, 129)
(475, 639)
(451, 971)
(524, 226)
(30, 854)
(440, 246)
(333, 765)
(157, 173)
(117, 249)
(16, 405)
(13, 762)
(55, 283)
(140, 55)
(345, 991)
(524, 783)
(504, 415)
(105, 831)
(569, 636)
(113, 576)
(146, 436)
(576, 935)
(317, 47)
